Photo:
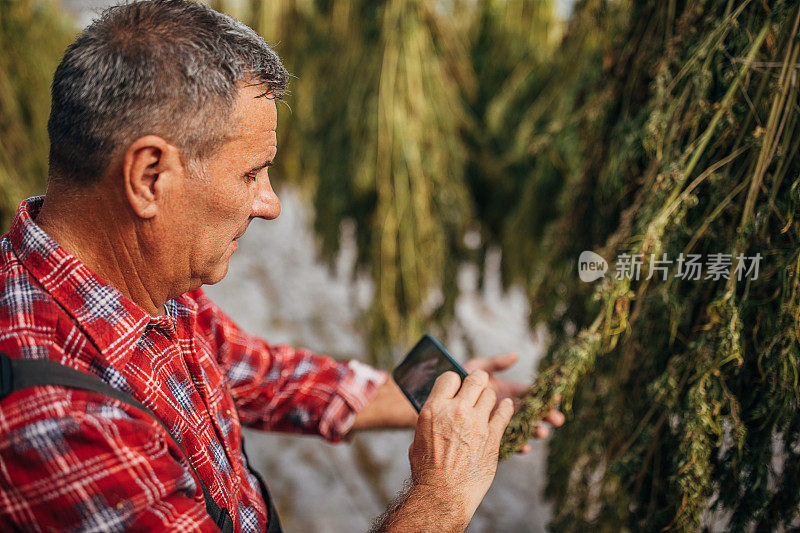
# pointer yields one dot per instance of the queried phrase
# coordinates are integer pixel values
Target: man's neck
(104, 240)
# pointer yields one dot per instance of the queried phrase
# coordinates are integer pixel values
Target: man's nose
(266, 204)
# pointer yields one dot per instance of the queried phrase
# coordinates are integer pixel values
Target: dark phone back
(416, 374)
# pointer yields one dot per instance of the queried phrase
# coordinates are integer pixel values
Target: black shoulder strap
(274, 524)
(18, 374)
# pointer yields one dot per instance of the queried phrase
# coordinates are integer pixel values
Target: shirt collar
(113, 322)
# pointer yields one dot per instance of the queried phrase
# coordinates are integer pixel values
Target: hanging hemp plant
(32, 38)
(683, 392)
(375, 123)
(418, 160)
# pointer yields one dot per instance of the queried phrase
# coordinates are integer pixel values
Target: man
(163, 128)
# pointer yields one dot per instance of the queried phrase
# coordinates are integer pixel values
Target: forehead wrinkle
(240, 130)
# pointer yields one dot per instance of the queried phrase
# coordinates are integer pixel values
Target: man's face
(217, 204)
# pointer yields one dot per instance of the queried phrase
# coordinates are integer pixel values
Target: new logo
(591, 266)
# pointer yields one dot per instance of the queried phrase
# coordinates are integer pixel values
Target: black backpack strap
(18, 374)
(274, 524)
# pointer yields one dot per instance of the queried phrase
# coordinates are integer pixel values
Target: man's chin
(217, 275)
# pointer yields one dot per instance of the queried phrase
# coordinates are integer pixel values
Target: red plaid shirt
(72, 459)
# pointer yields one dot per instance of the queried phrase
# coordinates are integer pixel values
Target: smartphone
(426, 361)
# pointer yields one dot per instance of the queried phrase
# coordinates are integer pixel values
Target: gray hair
(164, 67)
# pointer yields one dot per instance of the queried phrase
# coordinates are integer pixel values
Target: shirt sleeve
(73, 460)
(279, 388)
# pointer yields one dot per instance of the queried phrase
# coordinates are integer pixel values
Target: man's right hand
(454, 455)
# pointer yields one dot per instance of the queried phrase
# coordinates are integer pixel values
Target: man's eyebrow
(267, 163)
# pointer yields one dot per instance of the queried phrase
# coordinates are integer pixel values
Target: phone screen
(424, 363)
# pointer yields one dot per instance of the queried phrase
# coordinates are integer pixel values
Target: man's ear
(150, 167)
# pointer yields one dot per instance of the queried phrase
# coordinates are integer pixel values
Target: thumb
(492, 364)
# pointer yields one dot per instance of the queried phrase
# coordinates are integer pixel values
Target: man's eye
(253, 174)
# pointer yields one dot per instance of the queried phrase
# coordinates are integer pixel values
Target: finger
(500, 419)
(555, 418)
(473, 386)
(501, 362)
(541, 432)
(526, 448)
(492, 364)
(445, 386)
(510, 388)
(486, 402)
